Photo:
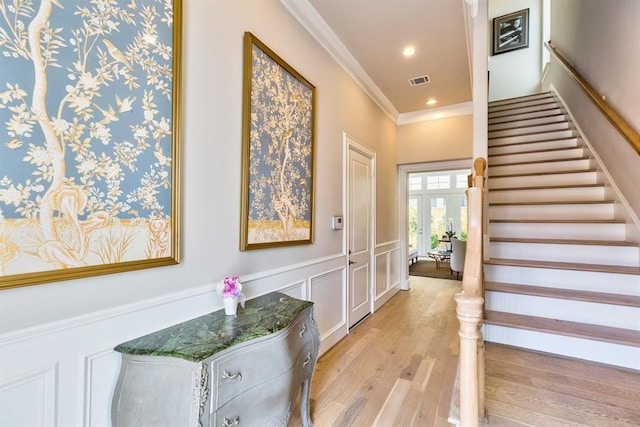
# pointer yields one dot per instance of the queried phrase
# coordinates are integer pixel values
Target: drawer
(270, 403)
(254, 364)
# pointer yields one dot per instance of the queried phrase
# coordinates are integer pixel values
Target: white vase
(230, 305)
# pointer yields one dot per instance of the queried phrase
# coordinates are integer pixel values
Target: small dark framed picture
(511, 32)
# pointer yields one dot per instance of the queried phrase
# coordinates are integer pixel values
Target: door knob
(352, 262)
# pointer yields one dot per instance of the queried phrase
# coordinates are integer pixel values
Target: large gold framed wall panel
(90, 134)
(277, 151)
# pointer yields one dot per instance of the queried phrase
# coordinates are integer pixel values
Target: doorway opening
(437, 209)
(422, 205)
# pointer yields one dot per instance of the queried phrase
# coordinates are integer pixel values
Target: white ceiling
(368, 36)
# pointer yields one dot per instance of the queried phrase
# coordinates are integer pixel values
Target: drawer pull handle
(307, 360)
(227, 422)
(303, 329)
(228, 376)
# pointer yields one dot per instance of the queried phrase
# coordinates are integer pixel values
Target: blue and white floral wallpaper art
(87, 137)
(279, 167)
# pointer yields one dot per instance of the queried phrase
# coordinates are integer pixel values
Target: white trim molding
(473, 7)
(462, 109)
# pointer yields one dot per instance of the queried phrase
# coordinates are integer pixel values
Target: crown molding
(311, 20)
(455, 110)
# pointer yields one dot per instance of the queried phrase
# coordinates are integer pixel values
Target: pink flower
(231, 287)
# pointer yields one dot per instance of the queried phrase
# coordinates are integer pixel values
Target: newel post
(470, 306)
(469, 312)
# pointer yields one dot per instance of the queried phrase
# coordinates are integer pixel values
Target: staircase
(561, 276)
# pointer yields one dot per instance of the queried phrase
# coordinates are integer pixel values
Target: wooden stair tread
(533, 162)
(542, 132)
(521, 98)
(549, 187)
(514, 175)
(511, 144)
(513, 118)
(559, 221)
(547, 150)
(569, 294)
(566, 241)
(564, 327)
(547, 116)
(596, 268)
(534, 103)
(531, 127)
(554, 202)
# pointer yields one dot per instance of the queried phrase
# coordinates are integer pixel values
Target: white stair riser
(596, 351)
(615, 232)
(583, 254)
(548, 195)
(526, 116)
(512, 123)
(542, 136)
(535, 146)
(529, 129)
(591, 211)
(568, 154)
(528, 98)
(530, 105)
(615, 316)
(542, 167)
(576, 178)
(615, 283)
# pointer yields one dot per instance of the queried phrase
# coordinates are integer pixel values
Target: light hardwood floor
(397, 368)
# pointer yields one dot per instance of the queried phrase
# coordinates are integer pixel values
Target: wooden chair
(458, 252)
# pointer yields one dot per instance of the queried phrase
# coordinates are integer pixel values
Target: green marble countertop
(204, 336)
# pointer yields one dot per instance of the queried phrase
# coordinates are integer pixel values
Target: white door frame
(349, 143)
(403, 191)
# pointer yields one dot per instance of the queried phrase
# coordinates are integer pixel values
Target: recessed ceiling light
(409, 51)
(432, 101)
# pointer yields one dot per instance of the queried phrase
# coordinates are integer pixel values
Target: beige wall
(435, 140)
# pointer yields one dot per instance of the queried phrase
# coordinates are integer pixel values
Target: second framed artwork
(277, 151)
(511, 32)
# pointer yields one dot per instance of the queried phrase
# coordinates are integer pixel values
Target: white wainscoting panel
(387, 274)
(296, 290)
(100, 370)
(329, 293)
(38, 389)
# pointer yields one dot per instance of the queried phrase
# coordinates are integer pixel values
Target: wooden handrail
(626, 130)
(470, 303)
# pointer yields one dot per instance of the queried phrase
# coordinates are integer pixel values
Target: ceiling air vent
(420, 80)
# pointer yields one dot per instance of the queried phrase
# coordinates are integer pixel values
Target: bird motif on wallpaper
(125, 105)
(115, 54)
(109, 114)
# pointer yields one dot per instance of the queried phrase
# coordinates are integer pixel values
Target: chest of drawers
(218, 371)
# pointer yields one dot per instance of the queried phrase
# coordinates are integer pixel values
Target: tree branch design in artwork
(280, 157)
(85, 114)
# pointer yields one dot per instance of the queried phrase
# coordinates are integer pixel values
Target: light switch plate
(336, 222)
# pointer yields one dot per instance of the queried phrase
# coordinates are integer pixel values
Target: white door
(438, 217)
(360, 171)
(416, 223)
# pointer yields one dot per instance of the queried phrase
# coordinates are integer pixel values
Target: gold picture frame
(90, 113)
(277, 151)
